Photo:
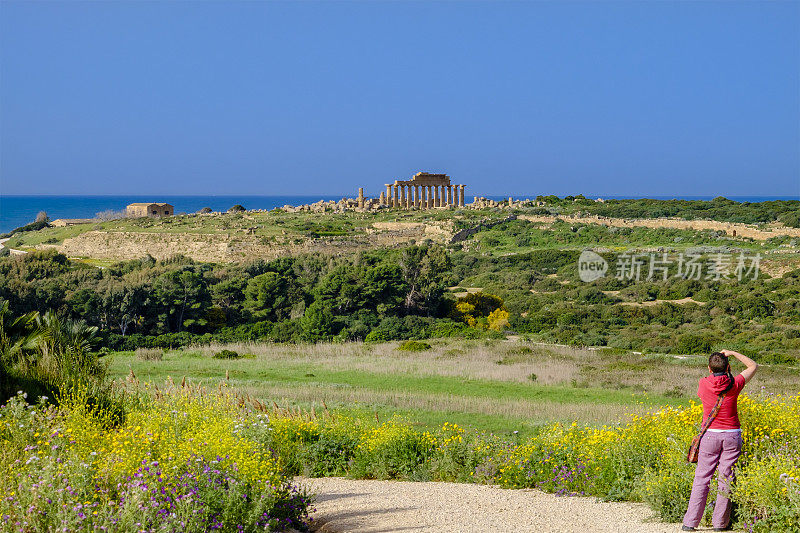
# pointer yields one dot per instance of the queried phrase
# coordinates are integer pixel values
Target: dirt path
(345, 505)
(11, 250)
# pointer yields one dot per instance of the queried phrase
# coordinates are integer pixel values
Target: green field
(487, 385)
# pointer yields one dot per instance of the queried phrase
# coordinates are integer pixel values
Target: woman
(722, 443)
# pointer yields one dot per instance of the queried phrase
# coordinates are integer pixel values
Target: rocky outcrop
(241, 246)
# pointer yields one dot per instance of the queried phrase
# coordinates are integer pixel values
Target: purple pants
(721, 449)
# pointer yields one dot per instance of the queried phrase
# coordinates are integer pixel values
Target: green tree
(318, 322)
(182, 297)
(425, 270)
(268, 296)
(341, 289)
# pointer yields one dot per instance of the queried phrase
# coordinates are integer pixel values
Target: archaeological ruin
(422, 191)
(145, 209)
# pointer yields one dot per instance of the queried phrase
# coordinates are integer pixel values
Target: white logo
(591, 266)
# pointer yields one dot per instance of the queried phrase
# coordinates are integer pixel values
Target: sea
(16, 211)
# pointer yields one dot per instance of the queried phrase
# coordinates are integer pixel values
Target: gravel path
(345, 505)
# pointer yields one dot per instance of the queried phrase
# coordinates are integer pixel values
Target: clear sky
(522, 98)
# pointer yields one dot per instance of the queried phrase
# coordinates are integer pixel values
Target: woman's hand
(751, 365)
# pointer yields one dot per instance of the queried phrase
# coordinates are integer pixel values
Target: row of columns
(423, 196)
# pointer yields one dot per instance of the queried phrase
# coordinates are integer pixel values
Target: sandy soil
(344, 505)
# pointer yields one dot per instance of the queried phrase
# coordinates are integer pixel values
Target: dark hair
(718, 362)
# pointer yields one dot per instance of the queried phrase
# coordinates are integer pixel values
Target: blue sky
(523, 98)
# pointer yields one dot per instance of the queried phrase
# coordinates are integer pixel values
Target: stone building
(423, 191)
(144, 209)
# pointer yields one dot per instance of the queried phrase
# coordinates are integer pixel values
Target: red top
(709, 390)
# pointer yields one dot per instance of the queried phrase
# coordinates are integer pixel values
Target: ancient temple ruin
(423, 191)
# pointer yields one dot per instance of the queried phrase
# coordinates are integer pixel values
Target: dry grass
(514, 360)
(313, 396)
(491, 360)
(149, 354)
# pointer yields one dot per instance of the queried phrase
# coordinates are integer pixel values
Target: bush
(777, 358)
(227, 354)
(236, 209)
(694, 344)
(414, 346)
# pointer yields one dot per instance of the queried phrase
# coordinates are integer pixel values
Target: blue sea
(16, 211)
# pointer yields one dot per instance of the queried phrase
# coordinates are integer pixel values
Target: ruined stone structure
(144, 209)
(423, 191)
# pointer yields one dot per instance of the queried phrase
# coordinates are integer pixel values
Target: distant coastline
(18, 210)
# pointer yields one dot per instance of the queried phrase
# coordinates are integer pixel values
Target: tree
(383, 288)
(267, 295)
(236, 209)
(124, 305)
(341, 289)
(318, 322)
(42, 216)
(182, 296)
(424, 270)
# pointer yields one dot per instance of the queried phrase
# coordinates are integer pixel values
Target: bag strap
(713, 414)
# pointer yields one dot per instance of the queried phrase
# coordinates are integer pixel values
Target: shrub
(226, 354)
(777, 358)
(694, 344)
(392, 450)
(414, 346)
(498, 319)
(236, 209)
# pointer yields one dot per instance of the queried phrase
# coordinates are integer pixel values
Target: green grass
(520, 236)
(244, 371)
(495, 405)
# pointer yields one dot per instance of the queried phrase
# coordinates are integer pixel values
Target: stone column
(430, 196)
(388, 194)
(382, 198)
(394, 195)
(453, 194)
(461, 194)
(447, 197)
(361, 197)
(408, 196)
(400, 196)
(418, 197)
